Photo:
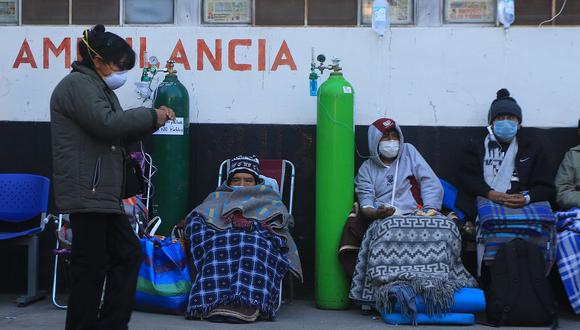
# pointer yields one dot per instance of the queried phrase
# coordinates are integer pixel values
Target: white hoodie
(375, 180)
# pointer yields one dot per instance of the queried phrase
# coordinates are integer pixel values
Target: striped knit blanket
(404, 257)
(568, 256)
(497, 225)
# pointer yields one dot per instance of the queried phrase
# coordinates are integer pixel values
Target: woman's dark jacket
(89, 132)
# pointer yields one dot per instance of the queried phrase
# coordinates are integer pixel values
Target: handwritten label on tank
(171, 128)
(347, 90)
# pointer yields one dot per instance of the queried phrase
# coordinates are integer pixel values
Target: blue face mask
(505, 130)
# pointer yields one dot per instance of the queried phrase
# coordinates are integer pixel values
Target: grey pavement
(300, 314)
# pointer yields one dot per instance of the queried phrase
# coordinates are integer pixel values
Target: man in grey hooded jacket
(395, 166)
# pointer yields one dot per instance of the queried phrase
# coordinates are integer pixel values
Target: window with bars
(88, 12)
(149, 11)
(227, 11)
(470, 11)
(45, 12)
(274, 12)
(8, 11)
(400, 11)
(332, 13)
(528, 12)
(327, 12)
(277, 12)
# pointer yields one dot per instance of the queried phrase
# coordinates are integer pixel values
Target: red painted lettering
(214, 60)
(24, 56)
(232, 55)
(179, 56)
(129, 40)
(261, 54)
(47, 46)
(284, 57)
(142, 51)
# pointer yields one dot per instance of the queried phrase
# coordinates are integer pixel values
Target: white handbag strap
(153, 225)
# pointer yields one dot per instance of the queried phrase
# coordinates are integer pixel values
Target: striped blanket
(568, 256)
(497, 225)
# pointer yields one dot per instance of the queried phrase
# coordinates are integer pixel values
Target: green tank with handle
(171, 155)
(334, 186)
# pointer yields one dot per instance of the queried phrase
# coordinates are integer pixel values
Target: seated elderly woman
(241, 248)
(409, 250)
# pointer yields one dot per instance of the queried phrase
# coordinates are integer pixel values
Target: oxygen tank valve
(313, 77)
(170, 67)
(335, 64)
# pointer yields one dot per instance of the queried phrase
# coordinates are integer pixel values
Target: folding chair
(22, 198)
(62, 250)
(275, 169)
(271, 168)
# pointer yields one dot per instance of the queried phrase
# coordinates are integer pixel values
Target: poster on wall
(8, 13)
(470, 11)
(400, 11)
(227, 11)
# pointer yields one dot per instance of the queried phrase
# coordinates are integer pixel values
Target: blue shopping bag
(164, 280)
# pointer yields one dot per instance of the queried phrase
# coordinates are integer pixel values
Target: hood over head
(376, 131)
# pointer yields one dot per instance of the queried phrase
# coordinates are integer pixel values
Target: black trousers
(103, 245)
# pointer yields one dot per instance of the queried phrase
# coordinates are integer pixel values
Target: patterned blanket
(259, 203)
(235, 268)
(568, 256)
(497, 225)
(403, 257)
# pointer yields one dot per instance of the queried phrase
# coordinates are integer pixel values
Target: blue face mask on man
(505, 130)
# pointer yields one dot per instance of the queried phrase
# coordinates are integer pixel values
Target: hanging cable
(555, 16)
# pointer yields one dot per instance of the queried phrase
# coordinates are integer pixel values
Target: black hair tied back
(111, 48)
(99, 28)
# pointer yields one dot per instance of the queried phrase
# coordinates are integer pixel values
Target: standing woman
(89, 133)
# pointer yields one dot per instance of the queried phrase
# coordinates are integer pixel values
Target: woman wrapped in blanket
(409, 250)
(392, 164)
(241, 248)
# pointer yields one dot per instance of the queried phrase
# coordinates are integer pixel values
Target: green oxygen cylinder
(171, 155)
(334, 186)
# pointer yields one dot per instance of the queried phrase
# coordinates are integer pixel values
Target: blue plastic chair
(22, 198)
(449, 198)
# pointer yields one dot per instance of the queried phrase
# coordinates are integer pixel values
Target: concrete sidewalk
(300, 314)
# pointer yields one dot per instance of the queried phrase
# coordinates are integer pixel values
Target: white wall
(419, 76)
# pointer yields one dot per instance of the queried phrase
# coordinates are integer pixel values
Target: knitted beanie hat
(504, 104)
(244, 164)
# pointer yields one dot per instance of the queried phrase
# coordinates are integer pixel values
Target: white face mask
(116, 79)
(389, 149)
